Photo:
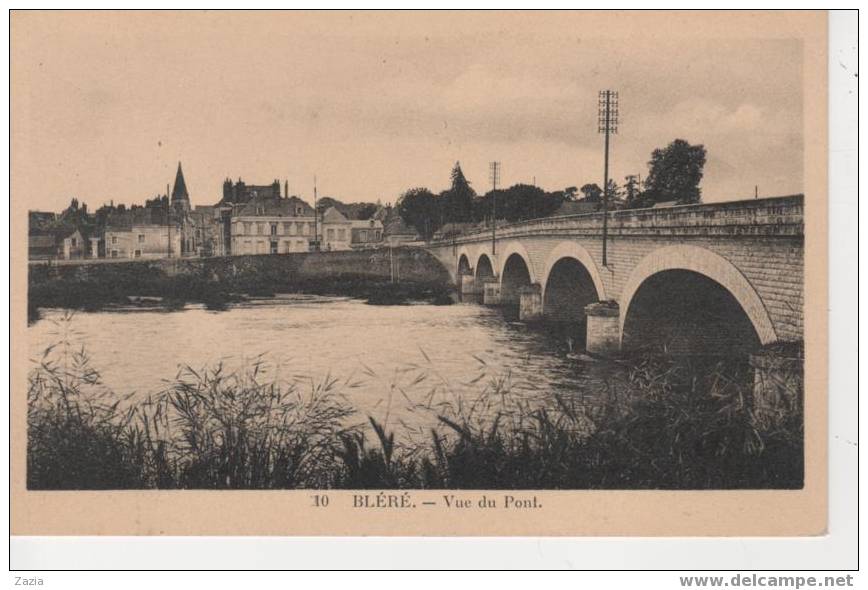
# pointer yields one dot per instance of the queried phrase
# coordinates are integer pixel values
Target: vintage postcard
(419, 273)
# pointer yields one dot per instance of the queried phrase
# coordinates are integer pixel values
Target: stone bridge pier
(715, 279)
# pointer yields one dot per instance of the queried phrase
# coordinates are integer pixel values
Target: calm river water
(397, 364)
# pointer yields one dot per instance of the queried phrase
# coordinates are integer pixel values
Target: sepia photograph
(417, 255)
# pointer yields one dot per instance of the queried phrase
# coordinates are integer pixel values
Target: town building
(272, 224)
(75, 245)
(337, 230)
(367, 233)
(397, 231)
(164, 229)
(236, 196)
(52, 240)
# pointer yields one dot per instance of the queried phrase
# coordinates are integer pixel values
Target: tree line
(674, 174)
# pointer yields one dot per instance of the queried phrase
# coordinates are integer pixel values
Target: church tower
(180, 198)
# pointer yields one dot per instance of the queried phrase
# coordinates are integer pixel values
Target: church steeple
(179, 191)
(180, 198)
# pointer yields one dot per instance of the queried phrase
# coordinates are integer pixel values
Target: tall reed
(666, 425)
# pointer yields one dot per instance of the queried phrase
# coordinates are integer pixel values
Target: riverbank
(679, 429)
(381, 277)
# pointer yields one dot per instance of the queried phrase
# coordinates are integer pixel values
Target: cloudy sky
(104, 106)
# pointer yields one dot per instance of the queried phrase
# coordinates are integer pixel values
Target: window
(287, 228)
(330, 234)
(74, 242)
(304, 229)
(260, 228)
(247, 228)
(363, 235)
(141, 238)
(114, 253)
(115, 241)
(138, 253)
(342, 234)
(274, 229)
(377, 235)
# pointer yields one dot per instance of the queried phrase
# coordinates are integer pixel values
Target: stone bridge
(710, 278)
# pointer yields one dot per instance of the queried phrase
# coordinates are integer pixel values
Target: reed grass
(666, 425)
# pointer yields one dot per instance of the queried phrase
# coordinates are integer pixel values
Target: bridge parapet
(773, 216)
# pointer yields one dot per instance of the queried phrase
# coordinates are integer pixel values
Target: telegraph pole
(315, 230)
(607, 124)
(494, 173)
(168, 222)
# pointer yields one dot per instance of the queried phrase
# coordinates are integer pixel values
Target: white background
(834, 551)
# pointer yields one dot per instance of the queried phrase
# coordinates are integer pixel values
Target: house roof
(124, 220)
(270, 206)
(397, 227)
(367, 223)
(577, 207)
(332, 215)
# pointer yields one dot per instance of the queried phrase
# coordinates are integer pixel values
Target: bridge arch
(484, 267)
(515, 247)
(516, 274)
(692, 280)
(571, 282)
(570, 249)
(464, 267)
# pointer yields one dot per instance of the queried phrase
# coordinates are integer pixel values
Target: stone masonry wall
(409, 264)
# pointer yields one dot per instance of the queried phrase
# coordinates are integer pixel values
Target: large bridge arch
(703, 271)
(571, 249)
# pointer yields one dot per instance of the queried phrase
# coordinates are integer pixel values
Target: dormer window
(260, 210)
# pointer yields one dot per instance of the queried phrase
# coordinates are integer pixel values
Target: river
(398, 364)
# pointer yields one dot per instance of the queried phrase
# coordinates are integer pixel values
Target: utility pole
(607, 124)
(315, 230)
(494, 173)
(756, 191)
(168, 222)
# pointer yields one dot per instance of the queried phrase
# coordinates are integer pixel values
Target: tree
(570, 193)
(418, 207)
(366, 210)
(616, 196)
(632, 191)
(458, 200)
(674, 173)
(520, 201)
(593, 193)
